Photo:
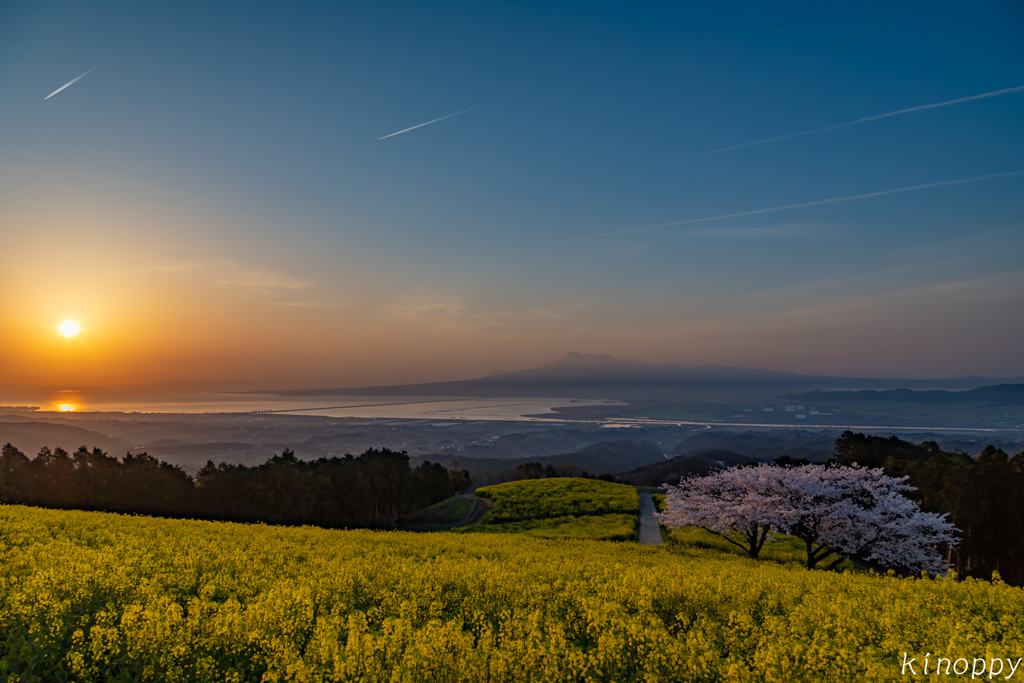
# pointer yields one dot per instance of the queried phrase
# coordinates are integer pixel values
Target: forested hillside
(984, 496)
(369, 490)
(698, 463)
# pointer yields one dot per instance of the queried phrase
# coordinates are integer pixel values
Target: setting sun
(69, 329)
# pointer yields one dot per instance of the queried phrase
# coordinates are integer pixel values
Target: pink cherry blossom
(853, 512)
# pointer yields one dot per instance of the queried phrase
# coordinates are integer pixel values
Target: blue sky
(244, 139)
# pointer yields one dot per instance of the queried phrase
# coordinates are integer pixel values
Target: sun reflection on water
(65, 401)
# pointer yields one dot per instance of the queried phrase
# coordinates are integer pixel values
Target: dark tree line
(535, 470)
(369, 490)
(984, 497)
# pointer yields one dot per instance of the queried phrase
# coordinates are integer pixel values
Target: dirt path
(481, 506)
(650, 534)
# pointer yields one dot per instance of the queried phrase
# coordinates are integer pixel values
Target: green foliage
(544, 498)
(659, 502)
(984, 496)
(90, 597)
(371, 489)
(561, 508)
(613, 527)
(93, 480)
(440, 516)
(784, 549)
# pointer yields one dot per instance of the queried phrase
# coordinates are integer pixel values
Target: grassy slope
(561, 508)
(93, 596)
(542, 498)
(783, 549)
(440, 516)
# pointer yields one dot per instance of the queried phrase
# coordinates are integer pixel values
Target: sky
(241, 194)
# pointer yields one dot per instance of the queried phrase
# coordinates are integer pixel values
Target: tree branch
(835, 563)
(738, 545)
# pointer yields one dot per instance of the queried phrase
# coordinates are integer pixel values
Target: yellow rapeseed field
(516, 501)
(102, 597)
(613, 527)
(561, 507)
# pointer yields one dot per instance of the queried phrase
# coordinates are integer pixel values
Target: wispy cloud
(452, 314)
(232, 274)
(782, 231)
(425, 306)
(177, 267)
(406, 130)
(260, 279)
(855, 122)
(819, 202)
(71, 82)
(923, 266)
(306, 304)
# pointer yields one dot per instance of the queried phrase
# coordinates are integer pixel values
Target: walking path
(650, 534)
(481, 506)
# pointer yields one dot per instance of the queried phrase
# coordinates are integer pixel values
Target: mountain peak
(589, 360)
(590, 367)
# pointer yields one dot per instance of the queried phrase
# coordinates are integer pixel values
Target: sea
(397, 407)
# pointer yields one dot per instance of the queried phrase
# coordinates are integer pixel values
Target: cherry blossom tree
(863, 515)
(742, 505)
(853, 512)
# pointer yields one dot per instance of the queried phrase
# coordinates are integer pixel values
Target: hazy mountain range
(995, 395)
(587, 375)
(588, 367)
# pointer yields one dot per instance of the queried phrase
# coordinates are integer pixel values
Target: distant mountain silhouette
(587, 375)
(996, 395)
(29, 437)
(591, 367)
(670, 471)
(597, 458)
(813, 445)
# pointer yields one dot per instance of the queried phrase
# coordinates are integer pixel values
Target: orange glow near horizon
(163, 318)
(64, 401)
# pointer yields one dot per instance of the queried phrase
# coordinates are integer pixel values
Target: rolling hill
(607, 456)
(585, 375)
(29, 437)
(670, 471)
(814, 446)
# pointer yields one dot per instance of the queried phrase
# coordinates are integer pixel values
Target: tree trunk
(816, 555)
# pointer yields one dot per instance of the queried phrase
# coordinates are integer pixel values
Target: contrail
(818, 202)
(401, 131)
(70, 82)
(876, 117)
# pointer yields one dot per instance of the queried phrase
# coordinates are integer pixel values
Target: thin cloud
(784, 231)
(819, 202)
(232, 274)
(856, 122)
(424, 306)
(422, 124)
(177, 267)
(261, 279)
(442, 312)
(304, 304)
(71, 82)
